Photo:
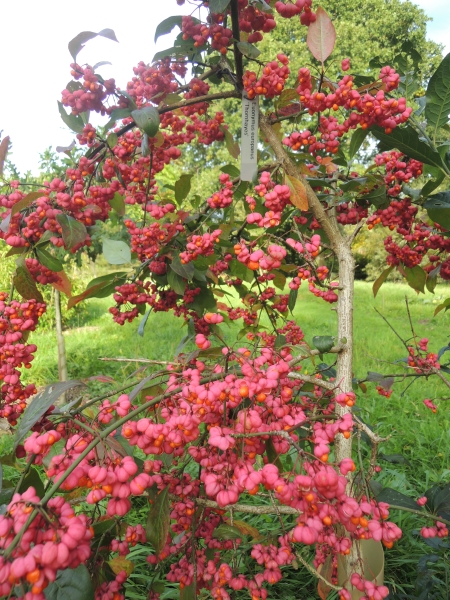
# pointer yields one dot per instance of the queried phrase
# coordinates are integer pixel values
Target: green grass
(418, 434)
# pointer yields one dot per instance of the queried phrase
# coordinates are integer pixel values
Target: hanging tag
(249, 139)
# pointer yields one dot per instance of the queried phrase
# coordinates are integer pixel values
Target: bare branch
(251, 509)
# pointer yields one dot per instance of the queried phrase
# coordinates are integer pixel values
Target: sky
(34, 59)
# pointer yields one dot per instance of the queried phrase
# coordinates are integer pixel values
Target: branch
(251, 510)
(316, 573)
(315, 352)
(421, 513)
(137, 360)
(328, 385)
(315, 205)
(169, 108)
(237, 38)
(190, 101)
(374, 438)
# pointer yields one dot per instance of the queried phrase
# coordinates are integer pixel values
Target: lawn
(421, 437)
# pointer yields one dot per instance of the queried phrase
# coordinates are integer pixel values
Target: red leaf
(25, 284)
(65, 286)
(89, 292)
(298, 192)
(3, 152)
(321, 36)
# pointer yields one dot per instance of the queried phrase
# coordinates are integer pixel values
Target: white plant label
(249, 139)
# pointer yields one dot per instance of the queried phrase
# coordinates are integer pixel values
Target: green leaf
(176, 282)
(286, 97)
(188, 592)
(90, 293)
(248, 49)
(120, 563)
(380, 280)
(416, 278)
(391, 496)
(232, 146)
(279, 280)
(354, 184)
(147, 119)
(226, 532)
(116, 252)
(25, 284)
(445, 305)
(112, 140)
(292, 300)
(231, 170)
(272, 454)
(175, 51)
(73, 122)
(439, 501)
(432, 280)
(73, 232)
(26, 201)
(321, 36)
(380, 379)
(77, 43)
(117, 115)
(356, 142)
(438, 208)
(6, 495)
(430, 186)
(183, 187)
(396, 459)
(102, 527)
(32, 479)
(158, 521)
(323, 343)
(406, 139)
(143, 323)
(173, 98)
(104, 286)
(377, 196)
(71, 584)
(49, 261)
(41, 403)
(16, 250)
(437, 109)
(218, 6)
(186, 271)
(167, 25)
(117, 203)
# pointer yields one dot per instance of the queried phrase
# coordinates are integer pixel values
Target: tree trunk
(62, 357)
(341, 246)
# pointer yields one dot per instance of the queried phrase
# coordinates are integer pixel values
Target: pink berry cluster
(58, 539)
(291, 9)
(272, 81)
(200, 245)
(366, 109)
(17, 320)
(219, 37)
(224, 197)
(399, 170)
(420, 359)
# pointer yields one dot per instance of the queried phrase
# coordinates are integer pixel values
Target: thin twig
(136, 360)
(250, 509)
